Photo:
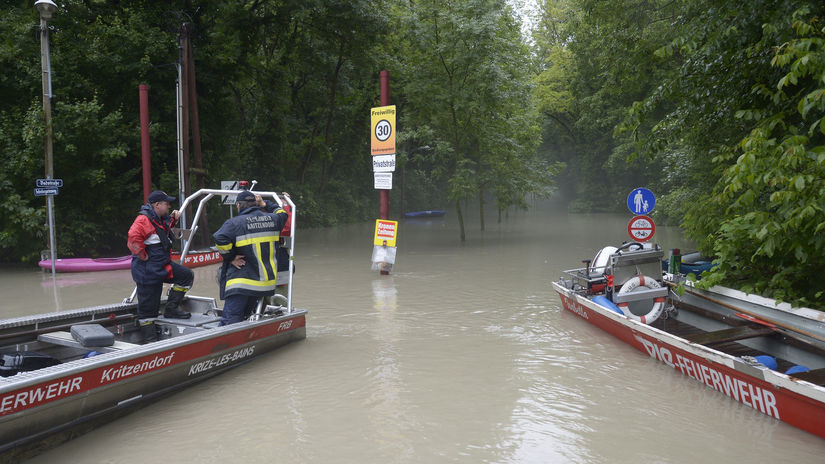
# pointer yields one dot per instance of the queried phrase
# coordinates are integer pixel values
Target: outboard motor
(24, 361)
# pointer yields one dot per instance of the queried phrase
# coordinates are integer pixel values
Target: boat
(63, 370)
(765, 355)
(690, 263)
(426, 213)
(193, 259)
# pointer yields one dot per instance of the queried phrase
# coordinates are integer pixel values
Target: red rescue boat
(765, 355)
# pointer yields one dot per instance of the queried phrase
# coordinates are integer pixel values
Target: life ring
(658, 303)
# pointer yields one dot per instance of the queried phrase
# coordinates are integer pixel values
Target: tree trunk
(460, 220)
(481, 207)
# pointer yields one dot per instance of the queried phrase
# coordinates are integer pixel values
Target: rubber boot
(172, 303)
(148, 331)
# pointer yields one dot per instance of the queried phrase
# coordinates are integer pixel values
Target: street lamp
(47, 9)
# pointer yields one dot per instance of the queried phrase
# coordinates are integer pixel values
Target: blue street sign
(641, 201)
(39, 192)
(49, 183)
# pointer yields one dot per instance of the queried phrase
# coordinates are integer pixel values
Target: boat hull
(796, 402)
(36, 404)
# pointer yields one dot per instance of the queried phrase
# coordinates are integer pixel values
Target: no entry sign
(641, 228)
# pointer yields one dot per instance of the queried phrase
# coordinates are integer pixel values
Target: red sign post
(641, 228)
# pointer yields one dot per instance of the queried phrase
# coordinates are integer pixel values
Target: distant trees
(284, 93)
(467, 95)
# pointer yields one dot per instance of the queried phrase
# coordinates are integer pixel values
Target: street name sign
(48, 183)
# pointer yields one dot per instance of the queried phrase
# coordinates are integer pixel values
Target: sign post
(49, 187)
(382, 149)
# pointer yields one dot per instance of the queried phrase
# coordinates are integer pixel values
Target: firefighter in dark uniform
(150, 241)
(248, 243)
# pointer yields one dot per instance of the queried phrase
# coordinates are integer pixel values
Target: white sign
(48, 183)
(383, 163)
(383, 180)
(229, 185)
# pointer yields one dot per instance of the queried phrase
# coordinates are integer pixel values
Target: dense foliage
(284, 91)
(715, 105)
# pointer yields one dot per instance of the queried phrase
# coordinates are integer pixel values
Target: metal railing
(207, 195)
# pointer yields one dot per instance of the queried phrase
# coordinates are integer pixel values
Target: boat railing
(203, 196)
(584, 278)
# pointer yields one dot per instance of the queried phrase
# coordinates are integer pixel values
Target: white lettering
(749, 394)
(126, 370)
(34, 396)
(203, 366)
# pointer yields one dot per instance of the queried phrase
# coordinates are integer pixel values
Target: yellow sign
(385, 231)
(383, 130)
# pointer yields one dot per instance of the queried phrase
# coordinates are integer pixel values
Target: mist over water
(462, 354)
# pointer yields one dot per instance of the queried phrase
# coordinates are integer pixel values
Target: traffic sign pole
(384, 77)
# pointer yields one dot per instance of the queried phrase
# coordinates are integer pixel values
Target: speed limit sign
(383, 130)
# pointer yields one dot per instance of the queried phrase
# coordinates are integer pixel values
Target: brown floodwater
(461, 355)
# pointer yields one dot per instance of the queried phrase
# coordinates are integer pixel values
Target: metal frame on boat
(89, 382)
(768, 356)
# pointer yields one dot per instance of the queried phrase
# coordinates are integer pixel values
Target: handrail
(209, 194)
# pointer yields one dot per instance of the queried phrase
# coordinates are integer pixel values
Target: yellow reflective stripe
(256, 240)
(179, 288)
(280, 211)
(261, 266)
(256, 283)
(226, 247)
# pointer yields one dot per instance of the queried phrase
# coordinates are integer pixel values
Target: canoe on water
(193, 259)
(765, 355)
(426, 213)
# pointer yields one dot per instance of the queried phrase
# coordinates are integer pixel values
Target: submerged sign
(385, 231)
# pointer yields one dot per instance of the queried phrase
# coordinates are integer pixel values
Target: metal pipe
(384, 77)
(146, 159)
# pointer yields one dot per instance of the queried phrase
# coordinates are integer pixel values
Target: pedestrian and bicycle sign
(641, 228)
(641, 201)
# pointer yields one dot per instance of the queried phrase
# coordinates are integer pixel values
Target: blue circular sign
(641, 201)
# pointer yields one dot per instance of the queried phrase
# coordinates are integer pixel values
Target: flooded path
(461, 355)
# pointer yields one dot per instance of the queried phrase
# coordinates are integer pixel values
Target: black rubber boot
(172, 303)
(148, 331)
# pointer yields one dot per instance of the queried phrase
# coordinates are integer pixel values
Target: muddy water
(462, 355)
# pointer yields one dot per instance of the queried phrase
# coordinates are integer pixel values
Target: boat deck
(729, 341)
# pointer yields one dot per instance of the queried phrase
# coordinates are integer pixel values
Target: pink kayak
(193, 259)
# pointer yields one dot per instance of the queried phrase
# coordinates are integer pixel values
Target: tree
(466, 74)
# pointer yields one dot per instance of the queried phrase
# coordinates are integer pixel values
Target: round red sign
(641, 228)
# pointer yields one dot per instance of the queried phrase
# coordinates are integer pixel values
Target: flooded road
(461, 355)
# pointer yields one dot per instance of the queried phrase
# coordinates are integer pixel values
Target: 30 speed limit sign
(641, 228)
(383, 130)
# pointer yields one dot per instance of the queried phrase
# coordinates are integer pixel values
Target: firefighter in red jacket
(150, 241)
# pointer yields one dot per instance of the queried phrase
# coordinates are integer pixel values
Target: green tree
(466, 79)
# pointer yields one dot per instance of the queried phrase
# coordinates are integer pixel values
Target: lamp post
(47, 9)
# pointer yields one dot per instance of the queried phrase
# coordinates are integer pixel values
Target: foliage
(284, 90)
(466, 83)
(771, 239)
